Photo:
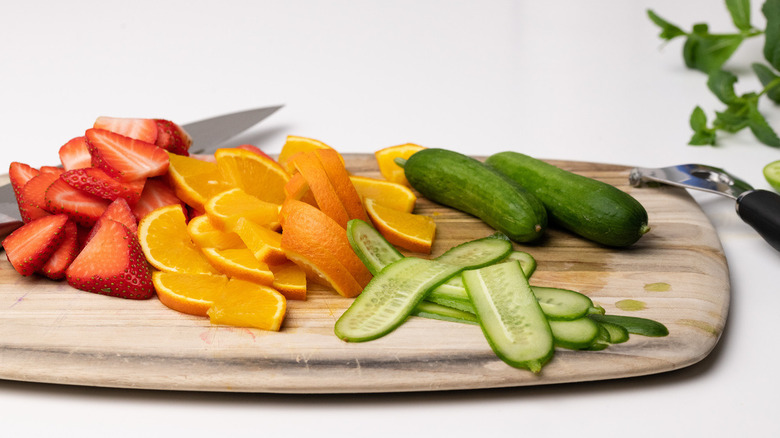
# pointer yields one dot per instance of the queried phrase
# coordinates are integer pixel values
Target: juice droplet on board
(630, 305)
(658, 287)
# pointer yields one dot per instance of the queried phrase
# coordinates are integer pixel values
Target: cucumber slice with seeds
(575, 334)
(562, 304)
(510, 316)
(371, 248)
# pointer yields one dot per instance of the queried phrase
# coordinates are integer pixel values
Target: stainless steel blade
(207, 135)
(692, 176)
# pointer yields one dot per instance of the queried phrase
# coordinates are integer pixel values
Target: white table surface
(553, 79)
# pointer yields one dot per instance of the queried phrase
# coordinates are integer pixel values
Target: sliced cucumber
(445, 313)
(562, 304)
(494, 247)
(602, 341)
(371, 247)
(617, 334)
(575, 334)
(634, 325)
(510, 316)
(527, 261)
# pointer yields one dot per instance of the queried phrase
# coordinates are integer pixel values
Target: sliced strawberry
(112, 263)
(172, 137)
(139, 129)
(30, 246)
(157, 193)
(97, 182)
(255, 149)
(205, 157)
(52, 169)
(75, 155)
(19, 174)
(59, 261)
(83, 208)
(32, 199)
(120, 211)
(124, 158)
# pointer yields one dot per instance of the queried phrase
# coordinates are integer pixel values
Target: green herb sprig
(708, 52)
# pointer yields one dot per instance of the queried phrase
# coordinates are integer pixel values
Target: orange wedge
(247, 304)
(239, 263)
(265, 243)
(167, 245)
(253, 173)
(295, 145)
(385, 158)
(206, 235)
(324, 193)
(290, 280)
(414, 232)
(192, 294)
(298, 189)
(392, 195)
(194, 181)
(226, 208)
(339, 179)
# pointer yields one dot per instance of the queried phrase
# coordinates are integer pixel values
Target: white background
(554, 79)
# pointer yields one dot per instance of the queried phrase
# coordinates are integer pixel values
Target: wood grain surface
(50, 332)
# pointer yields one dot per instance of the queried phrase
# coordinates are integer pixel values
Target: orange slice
(239, 263)
(226, 208)
(167, 245)
(253, 173)
(388, 167)
(339, 179)
(324, 193)
(192, 294)
(265, 243)
(414, 232)
(294, 145)
(206, 235)
(290, 280)
(392, 195)
(298, 189)
(194, 181)
(247, 304)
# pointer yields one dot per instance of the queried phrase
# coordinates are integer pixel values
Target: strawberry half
(125, 158)
(32, 199)
(30, 246)
(139, 129)
(172, 137)
(118, 211)
(97, 182)
(20, 174)
(112, 263)
(75, 155)
(62, 257)
(157, 193)
(83, 208)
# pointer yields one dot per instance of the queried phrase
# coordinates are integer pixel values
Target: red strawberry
(139, 129)
(59, 261)
(75, 155)
(52, 169)
(83, 208)
(157, 193)
(112, 263)
(32, 199)
(172, 137)
(255, 149)
(118, 211)
(124, 158)
(30, 246)
(19, 174)
(97, 182)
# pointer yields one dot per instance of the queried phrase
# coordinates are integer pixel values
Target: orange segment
(192, 294)
(226, 208)
(392, 195)
(256, 175)
(339, 178)
(246, 304)
(265, 243)
(167, 245)
(388, 167)
(239, 263)
(206, 235)
(324, 193)
(295, 145)
(194, 180)
(290, 280)
(298, 189)
(409, 231)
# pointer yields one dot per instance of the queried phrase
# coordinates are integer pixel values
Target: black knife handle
(761, 210)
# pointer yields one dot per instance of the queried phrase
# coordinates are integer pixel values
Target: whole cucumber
(464, 183)
(592, 209)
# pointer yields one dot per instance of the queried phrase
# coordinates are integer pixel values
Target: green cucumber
(466, 184)
(617, 334)
(371, 247)
(575, 334)
(527, 262)
(445, 313)
(392, 295)
(509, 315)
(562, 304)
(634, 325)
(592, 209)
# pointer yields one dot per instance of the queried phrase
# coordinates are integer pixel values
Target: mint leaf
(760, 128)
(769, 80)
(733, 119)
(740, 13)
(702, 135)
(706, 52)
(771, 10)
(668, 30)
(721, 83)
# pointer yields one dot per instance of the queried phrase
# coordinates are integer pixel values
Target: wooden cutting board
(50, 332)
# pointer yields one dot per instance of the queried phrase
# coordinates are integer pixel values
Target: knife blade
(207, 135)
